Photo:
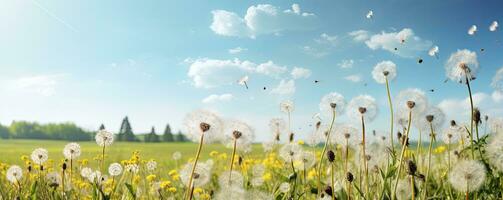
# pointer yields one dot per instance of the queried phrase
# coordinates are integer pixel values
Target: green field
(12, 150)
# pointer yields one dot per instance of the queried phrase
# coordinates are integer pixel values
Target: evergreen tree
(102, 127)
(126, 132)
(152, 136)
(168, 136)
(180, 137)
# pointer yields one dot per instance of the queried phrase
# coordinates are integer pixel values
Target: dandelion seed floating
(370, 14)
(434, 51)
(243, 81)
(494, 26)
(472, 30)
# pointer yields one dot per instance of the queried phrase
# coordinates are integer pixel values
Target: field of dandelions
(337, 160)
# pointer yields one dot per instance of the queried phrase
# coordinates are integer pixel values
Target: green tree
(4, 132)
(180, 137)
(102, 127)
(152, 136)
(126, 132)
(27, 130)
(168, 135)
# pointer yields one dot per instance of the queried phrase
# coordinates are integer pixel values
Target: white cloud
(284, 88)
(44, 85)
(237, 50)
(314, 51)
(327, 39)
(412, 46)
(359, 35)
(497, 96)
(346, 64)
(271, 69)
(299, 72)
(459, 109)
(355, 78)
(218, 98)
(210, 73)
(260, 20)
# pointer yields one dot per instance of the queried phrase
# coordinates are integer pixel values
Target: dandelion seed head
(462, 64)
(268, 146)
(432, 115)
(230, 194)
(257, 181)
(86, 172)
(259, 195)
(72, 151)
(39, 156)
(151, 165)
(363, 105)
(287, 106)
(330, 102)
(384, 70)
(241, 133)
(104, 138)
(307, 160)
(494, 151)
(290, 152)
(258, 170)
(14, 174)
(278, 127)
(202, 121)
(284, 187)
(453, 134)
(115, 169)
(177, 155)
(231, 180)
(347, 132)
(53, 179)
(403, 100)
(467, 173)
(202, 174)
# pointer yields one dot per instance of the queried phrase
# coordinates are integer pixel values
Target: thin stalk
(189, 186)
(324, 150)
(364, 156)
(432, 137)
(402, 153)
(392, 116)
(419, 148)
(232, 160)
(103, 158)
(332, 172)
(412, 187)
(471, 113)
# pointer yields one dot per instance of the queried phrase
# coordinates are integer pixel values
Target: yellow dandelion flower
(172, 172)
(267, 176)
(172, 189)
(213, 153)
(301, 142)
(165, 184)
(205, 196)
(312, 174)
(440, 149)
(151, 178)
(198, 190)
(136, 179)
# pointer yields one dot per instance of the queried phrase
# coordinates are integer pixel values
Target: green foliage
(168, 135)
(126, 132)
(152, 136)
(180, 137)
(54, 131)
(4, 132)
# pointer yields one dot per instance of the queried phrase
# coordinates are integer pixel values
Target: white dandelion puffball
(434, 114)
(232, 179)
(453, 134)
(317, 136)
(497, 82)
(494, 26)
(307, 160)
(104, 138)
(384, 70)
(53, 179)
(132, 168)
(433, 51)
(287, 106)
(257, 181)
(259, 195)
(115, 169)
(177, 155)
(72, 151)
(230, 194)
(39, 156)
(258, 170)
(268, 146)
(290, 152)
(462, 64)
(472, 30)
(202, 121)
(239, 132)
(86, 172)
(370, 14)
(151, 165)
(495, 151)
(332, 102)
(416, 96)
(201, 177)
(14, 174)
(403, 189)
(496, 125)
(284, 187)
(467, 175)
(348, 135)
(277, 126)
(363, 105)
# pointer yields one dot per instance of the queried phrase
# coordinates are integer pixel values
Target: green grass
(12, 150)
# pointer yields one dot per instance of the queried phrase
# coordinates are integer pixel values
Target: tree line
(71, 132)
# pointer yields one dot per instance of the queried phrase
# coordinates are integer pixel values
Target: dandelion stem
(189, 186)
(332, 172)
(324, 150)
(402, 153)
(432, 140)
(103, 158)
(419, 147)
(364, 156)
(232, 160)
(391, 115)
(412, 187)
(471, 113)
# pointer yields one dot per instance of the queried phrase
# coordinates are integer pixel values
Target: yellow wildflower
(172, 189)
(267, 176)
(151, 178)
(213, 153)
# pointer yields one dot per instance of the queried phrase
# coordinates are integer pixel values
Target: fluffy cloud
(210, 73)
(217, 98)
(346, 64)
(260, 20)
(355, 78)
(284, 88)
(309, 50)
(299, 72)
(237, 50)
(497, 96)
(359, 35)
(459, 109)
(44, 85)
(327, 39)
(412, 46)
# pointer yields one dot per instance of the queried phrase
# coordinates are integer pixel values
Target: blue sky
(93, 62)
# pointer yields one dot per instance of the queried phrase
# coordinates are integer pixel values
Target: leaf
(33, 190)
(359, 191)
(130, 190)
